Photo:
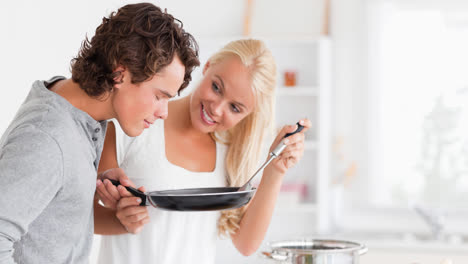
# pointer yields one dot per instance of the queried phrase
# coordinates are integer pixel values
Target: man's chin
(133, 132)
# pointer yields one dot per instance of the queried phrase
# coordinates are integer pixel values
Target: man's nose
(161, 111)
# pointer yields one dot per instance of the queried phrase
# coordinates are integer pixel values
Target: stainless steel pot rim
(285, 247)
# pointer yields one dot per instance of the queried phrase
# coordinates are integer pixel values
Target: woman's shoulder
(221, 152)
(155, 130)
(222, 146)
(151, 137)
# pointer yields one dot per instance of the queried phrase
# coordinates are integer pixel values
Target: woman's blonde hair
(245, 139)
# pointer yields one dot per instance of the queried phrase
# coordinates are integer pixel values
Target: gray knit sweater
(48, 161)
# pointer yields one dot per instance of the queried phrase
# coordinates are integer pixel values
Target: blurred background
(383, 81)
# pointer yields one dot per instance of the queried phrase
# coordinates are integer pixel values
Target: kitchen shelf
(310, 59)
(298, 91)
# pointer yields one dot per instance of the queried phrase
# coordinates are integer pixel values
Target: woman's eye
(215, 87)
(234, 108)
(156, 97)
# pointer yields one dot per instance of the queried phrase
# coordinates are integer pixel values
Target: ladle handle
(299, 129)
(133, 191)
(281, 146)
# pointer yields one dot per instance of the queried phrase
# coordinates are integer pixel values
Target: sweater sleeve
(31, 174)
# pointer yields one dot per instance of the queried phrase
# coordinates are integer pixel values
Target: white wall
(349, 33)
(39, 38)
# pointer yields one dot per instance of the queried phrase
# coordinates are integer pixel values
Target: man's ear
(207, 65)
(118, 75)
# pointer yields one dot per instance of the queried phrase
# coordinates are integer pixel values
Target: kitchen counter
(407, 248)
(408, 241)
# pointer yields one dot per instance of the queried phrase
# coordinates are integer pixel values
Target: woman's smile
(206, 117)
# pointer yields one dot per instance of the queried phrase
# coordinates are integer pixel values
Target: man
(138, 59)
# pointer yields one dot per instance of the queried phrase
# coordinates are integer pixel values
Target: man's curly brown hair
(142, 39)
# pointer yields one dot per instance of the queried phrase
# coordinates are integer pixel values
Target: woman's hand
(295, 146)
(129, 212)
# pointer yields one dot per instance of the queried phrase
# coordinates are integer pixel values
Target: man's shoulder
(45, 117)
(39, 122)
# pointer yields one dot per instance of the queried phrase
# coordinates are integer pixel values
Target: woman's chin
(203, 127)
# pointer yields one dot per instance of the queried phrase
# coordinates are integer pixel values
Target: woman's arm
(256, 219)
(124, 214)
(105, 221)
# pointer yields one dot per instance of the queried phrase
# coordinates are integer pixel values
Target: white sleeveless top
(170, 236)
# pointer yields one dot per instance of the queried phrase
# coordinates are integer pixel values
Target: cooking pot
(315, 251)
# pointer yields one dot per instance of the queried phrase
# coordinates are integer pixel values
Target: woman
(212, 138)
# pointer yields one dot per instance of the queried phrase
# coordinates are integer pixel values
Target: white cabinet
(310, 59)
(305, 188)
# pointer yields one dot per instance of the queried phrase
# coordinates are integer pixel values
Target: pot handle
(272, 255)
(132, 190)
(363, 250)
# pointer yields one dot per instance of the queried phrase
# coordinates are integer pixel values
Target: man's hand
(107, 192)
(129, 212)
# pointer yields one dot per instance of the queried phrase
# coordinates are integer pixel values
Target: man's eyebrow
(168, 95)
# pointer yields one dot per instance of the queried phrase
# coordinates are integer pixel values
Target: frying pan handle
(299, 129)
(132, 190)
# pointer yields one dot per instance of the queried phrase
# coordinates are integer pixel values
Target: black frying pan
(203, 199)
(195, 199)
